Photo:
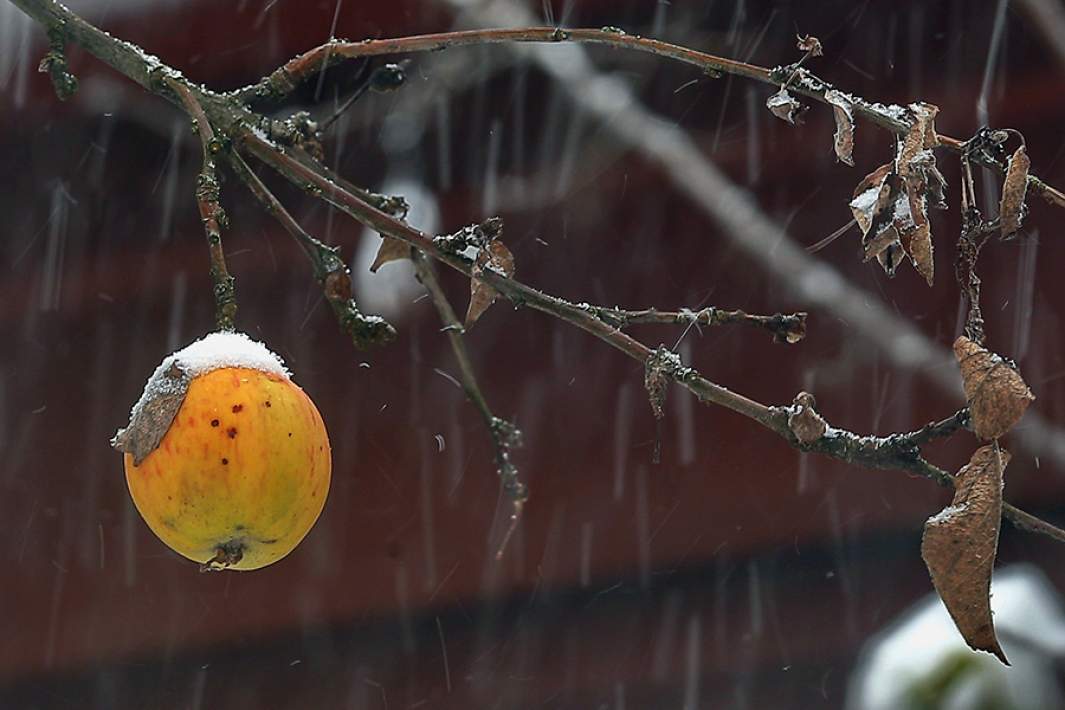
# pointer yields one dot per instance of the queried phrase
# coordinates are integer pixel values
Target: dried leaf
(996, 392)
(784, 106)
(390, 250)
(920, 137)
(936, 190)
(885, 238)
(656, 381)
(151, 418)
(870, 197)
(1011, 208)
(811, 44)
(494, 256)
(917, 243)
(844, 138)
(959, 547)
(804, 421)
(890, 258)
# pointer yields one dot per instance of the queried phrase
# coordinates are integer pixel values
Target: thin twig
(330, 270)
(211, 212)
(939, 430)
(504, 434)
(785, 327)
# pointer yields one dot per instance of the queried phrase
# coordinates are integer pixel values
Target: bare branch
(505, 435)
(892, 452)
(211, 212)
(330, 270)
(286, 78)
(786, 328)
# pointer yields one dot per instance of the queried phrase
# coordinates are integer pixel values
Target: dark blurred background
(735, 573)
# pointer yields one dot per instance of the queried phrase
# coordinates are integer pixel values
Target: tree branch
(330, 271)
(786, 328)
(505, 435)
(799, 424)
(289, 76)
(211, 213)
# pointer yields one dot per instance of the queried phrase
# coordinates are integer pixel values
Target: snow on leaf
(917, 240)
(844, 138)
(997, 395)
(959, 547)
(784, 106)
(917, 243)
(390, 250)
(885, 238)
(494, 256)
(1014, 188)
(152, 415)
(921, 136)
(870, 196)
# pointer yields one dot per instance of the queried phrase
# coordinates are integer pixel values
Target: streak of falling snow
(130, 522)
(178, 291)
(169, 178)
(983, 117)
(587, 530)
(693, 663)
(916, 45)
(55, 248)
(754, 594)
(490, 187)
(754, 134)
(428, 532)
(457, 461)
(54, 606)
(658, 22)
(1022, 301)
(662, 661)
(622, 438)
(199, 686)
(406, 625)
(443, 141)
(570, 153)
(643, 532)
(684, 411)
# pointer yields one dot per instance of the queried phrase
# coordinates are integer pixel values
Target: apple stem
(226, 555)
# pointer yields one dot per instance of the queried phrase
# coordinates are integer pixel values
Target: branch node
(804, 421)
(54, 64)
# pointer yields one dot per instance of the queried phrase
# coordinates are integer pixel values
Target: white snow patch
(865, 201)
(217, 350)
(211, 352)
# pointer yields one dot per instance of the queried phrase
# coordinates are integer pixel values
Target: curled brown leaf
(154, 413)
(1014, 188)
(917, 243)
(844, 138)
(494, 256)
(870, 197)
(996, 392)
(784, 106)
(959, 547)
(390, 250)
